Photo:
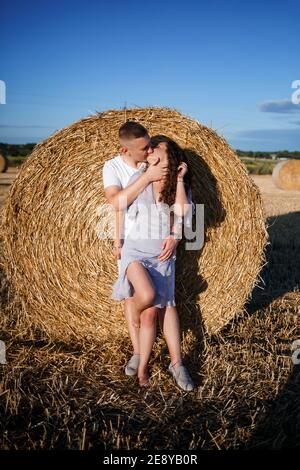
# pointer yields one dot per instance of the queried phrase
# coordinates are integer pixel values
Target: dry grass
(54, 396)
(276, 201)
(75, 396)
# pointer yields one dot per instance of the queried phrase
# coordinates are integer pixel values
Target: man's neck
(130, 162)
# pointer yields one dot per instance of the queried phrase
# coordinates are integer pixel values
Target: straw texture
(286, 174)
(61, 274)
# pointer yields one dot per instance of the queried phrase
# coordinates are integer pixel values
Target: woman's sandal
(132, 365)
(182, 377)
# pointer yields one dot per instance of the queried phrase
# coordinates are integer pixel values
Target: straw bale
(286, 175)
(61, 273)
(3, 164)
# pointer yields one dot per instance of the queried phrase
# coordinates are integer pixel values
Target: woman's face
(161, 152)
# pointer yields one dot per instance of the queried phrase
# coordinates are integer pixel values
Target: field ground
(276, 201)
(247, 395)
(6, 180)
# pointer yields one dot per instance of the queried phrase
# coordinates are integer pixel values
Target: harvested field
(55, 395)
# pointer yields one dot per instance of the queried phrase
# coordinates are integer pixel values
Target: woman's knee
(148, 317)
(146, 298)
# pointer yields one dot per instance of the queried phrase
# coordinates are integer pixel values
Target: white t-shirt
(117, 173)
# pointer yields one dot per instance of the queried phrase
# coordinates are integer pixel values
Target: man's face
(138, 149)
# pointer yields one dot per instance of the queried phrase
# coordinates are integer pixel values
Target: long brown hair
(175, 156)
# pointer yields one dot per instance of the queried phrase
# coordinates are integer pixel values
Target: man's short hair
(132, 130)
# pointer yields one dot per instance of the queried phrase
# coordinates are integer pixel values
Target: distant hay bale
(62, 273)
(3, 164)
(286, 174)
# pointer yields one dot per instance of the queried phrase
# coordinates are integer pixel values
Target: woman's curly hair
(176, 155)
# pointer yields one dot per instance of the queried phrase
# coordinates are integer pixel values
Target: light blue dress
(150, 227)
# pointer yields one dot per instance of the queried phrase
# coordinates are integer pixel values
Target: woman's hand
(168, 247)
(182, 170)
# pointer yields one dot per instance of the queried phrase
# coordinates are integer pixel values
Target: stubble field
(75, 396)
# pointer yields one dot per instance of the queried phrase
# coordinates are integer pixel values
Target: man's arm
(122, 198)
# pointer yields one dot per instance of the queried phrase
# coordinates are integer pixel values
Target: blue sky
(227, 64)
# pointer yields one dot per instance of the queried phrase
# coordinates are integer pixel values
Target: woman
(144, 273)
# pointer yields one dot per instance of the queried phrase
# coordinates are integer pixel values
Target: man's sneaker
(182, 377)
(132, 365)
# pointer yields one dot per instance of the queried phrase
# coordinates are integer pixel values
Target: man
(135, 148)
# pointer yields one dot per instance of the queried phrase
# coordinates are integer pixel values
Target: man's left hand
(168, 247)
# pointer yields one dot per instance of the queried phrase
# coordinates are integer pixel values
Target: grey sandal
(182, 377)
(132, 365)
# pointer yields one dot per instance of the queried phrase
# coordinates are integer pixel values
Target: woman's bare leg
(133, 331)
(169, 323)
(144, 292)
(145, 314)
(147, 338)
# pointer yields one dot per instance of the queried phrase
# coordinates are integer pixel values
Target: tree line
(23, 150)
(16, 150)
(277, 154)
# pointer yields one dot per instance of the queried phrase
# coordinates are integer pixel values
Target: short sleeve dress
(150, 227)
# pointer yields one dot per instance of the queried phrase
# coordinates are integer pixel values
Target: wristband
(177, 236)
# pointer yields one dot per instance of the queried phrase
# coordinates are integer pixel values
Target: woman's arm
(182, 203)
(181, 200)
(118, 241)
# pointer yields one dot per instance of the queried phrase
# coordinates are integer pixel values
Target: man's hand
(168, 247)
(152, 160)
(155, 172)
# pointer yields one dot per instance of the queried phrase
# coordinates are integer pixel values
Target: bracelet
(180, 179)
(177, 236)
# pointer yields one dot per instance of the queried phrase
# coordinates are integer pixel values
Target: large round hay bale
(3, 164)
(63, 273)
(286, 174)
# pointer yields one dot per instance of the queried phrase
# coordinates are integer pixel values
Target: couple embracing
(142, 183)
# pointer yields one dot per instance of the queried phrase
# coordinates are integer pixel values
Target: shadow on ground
(282, 272)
